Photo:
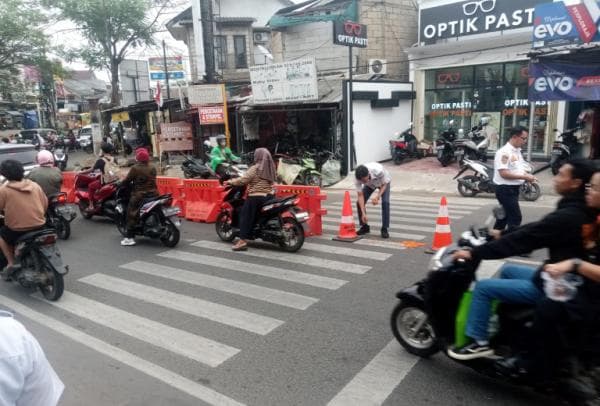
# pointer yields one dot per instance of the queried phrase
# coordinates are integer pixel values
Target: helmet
(221, 137)
(45, 158)
(106, 148)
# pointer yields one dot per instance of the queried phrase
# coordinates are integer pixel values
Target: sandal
(240, 246)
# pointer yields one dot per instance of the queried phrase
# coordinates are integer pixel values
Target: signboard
(119, 117)
(464, 18)
(176, 137)
(162, 76)
(174, 67)
(564, 81)
(199, 95)
(557, 24)
(294, 81)
(211, 115)
(134, 82)
(350, 34)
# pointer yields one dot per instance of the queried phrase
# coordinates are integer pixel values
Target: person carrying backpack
(106, 164)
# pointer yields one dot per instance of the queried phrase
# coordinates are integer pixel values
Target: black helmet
(106, 148)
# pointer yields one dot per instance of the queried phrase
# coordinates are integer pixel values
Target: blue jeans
(385, 205)
(514, 286)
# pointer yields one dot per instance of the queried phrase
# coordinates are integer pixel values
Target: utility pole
(166, 70)
(206, 12)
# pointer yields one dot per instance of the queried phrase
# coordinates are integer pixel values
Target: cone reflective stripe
(347, 231)
(443, 234)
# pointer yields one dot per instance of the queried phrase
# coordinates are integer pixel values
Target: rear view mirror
(499, 213)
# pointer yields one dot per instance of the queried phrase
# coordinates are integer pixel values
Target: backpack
(111, 171)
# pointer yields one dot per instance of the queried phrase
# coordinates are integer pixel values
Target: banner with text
(211, 115)
(564, 81)
(557, 24)
(294, 81)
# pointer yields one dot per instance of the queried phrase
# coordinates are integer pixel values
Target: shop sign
(564, 81)
(465, 18)
(176, 137)
(451, 106)
(211, 115)
(558, 24)
(199, 95)
(287, 82)
(119, 117)
(350, 34)
(521, 103)
(156, 66)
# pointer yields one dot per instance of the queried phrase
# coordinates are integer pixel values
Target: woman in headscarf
(259, 179)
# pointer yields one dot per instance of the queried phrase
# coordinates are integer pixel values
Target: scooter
(566, 146)
(278, 221)
(194, 168)
(157, 218)
(474, 146)
(60, 158)
(444, 145)
(104, 201)
(481, 180)
(404, 146)
(59, 215)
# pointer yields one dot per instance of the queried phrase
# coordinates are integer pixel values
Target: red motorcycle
(105, 201)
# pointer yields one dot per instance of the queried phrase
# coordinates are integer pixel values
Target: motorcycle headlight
(436, 261)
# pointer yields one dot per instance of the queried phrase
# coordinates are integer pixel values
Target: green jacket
(218, 156)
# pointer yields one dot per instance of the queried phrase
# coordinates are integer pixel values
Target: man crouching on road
(370, 177)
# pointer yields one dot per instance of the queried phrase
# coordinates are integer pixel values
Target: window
(239, 44)
(220, 52)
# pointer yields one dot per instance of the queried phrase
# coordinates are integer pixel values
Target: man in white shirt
(26, 376)
(370, 177)
(509, 175)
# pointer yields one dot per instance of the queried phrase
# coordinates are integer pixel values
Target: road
(200, 324)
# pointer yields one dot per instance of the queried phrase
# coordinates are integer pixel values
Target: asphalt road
(199, 324)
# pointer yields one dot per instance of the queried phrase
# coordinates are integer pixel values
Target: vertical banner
(564, 81)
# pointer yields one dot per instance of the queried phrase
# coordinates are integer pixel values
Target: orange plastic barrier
(175, 187)
(68, 186)
(310, 200)
(203, 198)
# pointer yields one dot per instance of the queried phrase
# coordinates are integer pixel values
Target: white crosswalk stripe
(401, 208)
(368, 242)
(405, 236)
(351, 252)
(394, 217)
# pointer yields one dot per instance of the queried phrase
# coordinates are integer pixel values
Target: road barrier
(203, 198)
(310, 200)
(68, 186)
(175, 187)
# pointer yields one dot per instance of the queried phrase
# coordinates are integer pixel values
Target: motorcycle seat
(278, 200)
(35, 233)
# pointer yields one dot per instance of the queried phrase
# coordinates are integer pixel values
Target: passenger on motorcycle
(221, 154)
(560, 231)
(260, 178)
(24, 205)
(107, 165)
(142, 177)
(46, 174)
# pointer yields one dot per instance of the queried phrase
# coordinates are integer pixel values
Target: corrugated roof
(231, 20)
(313, 11)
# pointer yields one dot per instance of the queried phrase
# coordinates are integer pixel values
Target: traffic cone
(347, 231)
(443, 235)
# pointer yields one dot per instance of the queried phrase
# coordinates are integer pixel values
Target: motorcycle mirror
(499, 213)
(461, 132)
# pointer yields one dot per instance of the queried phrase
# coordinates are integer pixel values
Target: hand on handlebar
(462, 254)
(530, 178)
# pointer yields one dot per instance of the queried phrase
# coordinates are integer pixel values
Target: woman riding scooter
(106, 164)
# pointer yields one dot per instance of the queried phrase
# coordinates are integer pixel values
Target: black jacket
(560, 231)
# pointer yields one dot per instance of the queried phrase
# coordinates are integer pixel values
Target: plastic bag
(330, 172)
(287, 173)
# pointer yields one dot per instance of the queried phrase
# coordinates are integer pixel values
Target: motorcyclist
(220, 154)
(46, 174)
(142, 177)
(560, 231)
(106, 164)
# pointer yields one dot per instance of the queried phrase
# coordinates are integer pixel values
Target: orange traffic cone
(347, 231)
(443, 235)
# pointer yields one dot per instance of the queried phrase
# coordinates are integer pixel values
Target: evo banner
(557, 23)
(564, 81)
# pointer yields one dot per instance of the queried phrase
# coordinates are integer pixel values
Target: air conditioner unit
(261, 37)
(377, 66)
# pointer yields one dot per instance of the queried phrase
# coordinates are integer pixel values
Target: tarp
(571, 81)
(315, 11)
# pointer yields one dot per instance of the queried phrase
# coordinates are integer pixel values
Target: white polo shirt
(378, 176)
(509, 157)
(26, 376)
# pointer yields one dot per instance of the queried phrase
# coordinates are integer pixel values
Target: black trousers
(248, 215)
(508, 197)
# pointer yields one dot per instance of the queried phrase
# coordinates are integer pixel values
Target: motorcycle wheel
(397, 160)
(172, 235)
(224, 228)
(530, 191)
(63, 229)
(293, 235)
(63, 166)
(445, 159)
(89, 149)
(405, 317)
(464, 190)
(122, 225)
(83, 205)
(312, 179)
(55, 286)
(555, 166)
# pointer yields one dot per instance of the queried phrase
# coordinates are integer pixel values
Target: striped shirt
(257, 186)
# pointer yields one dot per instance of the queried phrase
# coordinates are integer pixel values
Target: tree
(112, 29)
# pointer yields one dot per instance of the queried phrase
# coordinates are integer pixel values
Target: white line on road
(180, 342)
(394, 216)
(404, 236)
(256, 269)
(279, 297)
(230, 316)
(395, 245)
(295, 258)
(400, 227)
(375, 382)
(418, 214)
(351, 252)
(164, 375)
(403, 208)
(452, 200)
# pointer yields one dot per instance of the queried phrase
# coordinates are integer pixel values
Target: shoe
(384, 233)
(470, 351)
(240, 246)
(364, 229)
(127, 242)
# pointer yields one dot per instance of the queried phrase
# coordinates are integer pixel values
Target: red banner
(211, 115)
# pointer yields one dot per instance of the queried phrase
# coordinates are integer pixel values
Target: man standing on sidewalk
(509, 175)
(369, 178)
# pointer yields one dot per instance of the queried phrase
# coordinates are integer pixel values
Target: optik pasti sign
(350, 34)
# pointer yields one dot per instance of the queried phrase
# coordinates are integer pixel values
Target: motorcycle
(444, 145)
(431, 314)
(278, 221)
(299, 171)
(565, 146)
(59, 215)
(105, 199)
(404, 146)
(60, 158)
(474, 146)
(157, 218)
(481, 180)
(194, 168)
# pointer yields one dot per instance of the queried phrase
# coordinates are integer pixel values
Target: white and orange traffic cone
(442, 236)
(347, 232)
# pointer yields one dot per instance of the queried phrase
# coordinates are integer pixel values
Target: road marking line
(279, 297)
(404, 236)
(201, 349)
(256, 269)
(432, 210)
(170, 378)
(230, 316)
(376, 381)
(366, 242)
(395, 226)
(351, 252)
(295, 258)
(452, 200)
(420, 214)
(394, 216)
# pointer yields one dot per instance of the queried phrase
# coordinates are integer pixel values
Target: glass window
(220, 52)
(489, 75)
(441, 106)
(239, 44)
(449, 78)
(516, 74)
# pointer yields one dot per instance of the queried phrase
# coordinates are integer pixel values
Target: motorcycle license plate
(67, 212)
(52, 255)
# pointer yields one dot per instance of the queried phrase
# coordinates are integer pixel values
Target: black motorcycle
(59, 215)
(404, 147)
(278, 221)
(564, 148)
(444, 145)
(157, 218)
(195, 168)
(61, 157)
